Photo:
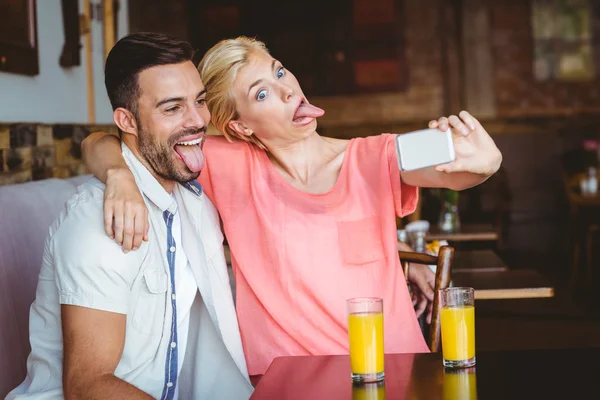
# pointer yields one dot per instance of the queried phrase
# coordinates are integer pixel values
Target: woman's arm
(477, 157)
(102, 155)
(125, 213)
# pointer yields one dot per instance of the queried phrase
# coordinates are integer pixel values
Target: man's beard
(160, 157)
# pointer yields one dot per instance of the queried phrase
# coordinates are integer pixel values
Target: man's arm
(423, 280)
(93, 345)
(94, 279)
(125, 213)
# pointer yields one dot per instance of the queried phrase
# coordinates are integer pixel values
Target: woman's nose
(287, 92)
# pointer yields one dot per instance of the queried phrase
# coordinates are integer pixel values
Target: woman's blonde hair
(218, 69)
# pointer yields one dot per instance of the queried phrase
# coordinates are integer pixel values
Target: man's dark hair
(133, 54)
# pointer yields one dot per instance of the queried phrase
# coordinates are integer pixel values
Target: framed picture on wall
(563, 32)
(18, 37)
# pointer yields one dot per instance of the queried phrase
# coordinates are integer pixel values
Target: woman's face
(270, 103)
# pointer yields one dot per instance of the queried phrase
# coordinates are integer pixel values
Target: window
(563, 32)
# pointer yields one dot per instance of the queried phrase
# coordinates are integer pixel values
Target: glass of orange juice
(365, 331)
(458, 327)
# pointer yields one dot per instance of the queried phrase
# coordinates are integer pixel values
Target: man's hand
(423, 280)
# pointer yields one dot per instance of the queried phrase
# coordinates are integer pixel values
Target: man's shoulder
(87, 201)
(194, 191)
(89, 193)
(80, 225)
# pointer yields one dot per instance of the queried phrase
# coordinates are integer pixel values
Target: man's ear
(240, 128)
(125, 120)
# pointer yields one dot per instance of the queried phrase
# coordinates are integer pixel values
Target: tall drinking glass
(365, 331)
(458, 327)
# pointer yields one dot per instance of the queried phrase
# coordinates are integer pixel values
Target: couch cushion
(26, 212)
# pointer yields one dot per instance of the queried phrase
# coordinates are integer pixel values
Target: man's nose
(196, 117)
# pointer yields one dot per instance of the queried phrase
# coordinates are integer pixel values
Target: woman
(310, 220)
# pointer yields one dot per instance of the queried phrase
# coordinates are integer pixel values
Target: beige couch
(26, 212)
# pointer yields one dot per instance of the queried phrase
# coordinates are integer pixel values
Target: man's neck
(131, 143)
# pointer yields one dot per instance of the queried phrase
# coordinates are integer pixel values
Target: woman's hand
(125, 213)
(475, 150)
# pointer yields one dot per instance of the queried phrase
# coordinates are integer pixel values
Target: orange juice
(458, 333)
(366, 342)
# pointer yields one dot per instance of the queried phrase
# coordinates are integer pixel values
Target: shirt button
(172, 249)
(169, 384)
(173, 296)
(173, 345)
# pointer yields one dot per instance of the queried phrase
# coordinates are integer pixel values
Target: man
(110, 324)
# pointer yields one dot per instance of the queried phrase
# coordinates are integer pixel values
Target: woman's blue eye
(261, 94)
(280, 72)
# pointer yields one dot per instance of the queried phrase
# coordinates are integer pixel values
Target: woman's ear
(125, 120)
(239, 128)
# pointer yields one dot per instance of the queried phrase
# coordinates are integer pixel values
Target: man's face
(172, 117)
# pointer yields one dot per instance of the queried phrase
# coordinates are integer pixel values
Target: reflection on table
(532, 374)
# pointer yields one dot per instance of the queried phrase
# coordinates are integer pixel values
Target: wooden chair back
(443, 274)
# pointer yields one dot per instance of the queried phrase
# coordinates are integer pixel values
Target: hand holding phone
(424, 148)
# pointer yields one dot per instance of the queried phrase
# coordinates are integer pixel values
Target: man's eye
(172, 109)
(201, 102)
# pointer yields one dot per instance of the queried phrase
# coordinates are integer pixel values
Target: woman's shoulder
(374, 139)
(219, 144)
(217, 141)
(375, 143)
(224, 155)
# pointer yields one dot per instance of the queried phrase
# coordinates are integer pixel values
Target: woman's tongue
(307, 110)
(192, 156)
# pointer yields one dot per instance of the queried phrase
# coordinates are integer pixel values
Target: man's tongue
(192, 156)
(308, 110)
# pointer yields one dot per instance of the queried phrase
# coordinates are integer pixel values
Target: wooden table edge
(480, 269)
(458, 237)
(521, 293)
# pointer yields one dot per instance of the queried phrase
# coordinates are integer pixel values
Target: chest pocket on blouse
(360, 241)
(150, 307)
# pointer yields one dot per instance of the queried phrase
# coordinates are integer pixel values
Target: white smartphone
(424, 148)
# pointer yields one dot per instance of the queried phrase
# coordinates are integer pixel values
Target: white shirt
(186, 291)
(82, 266)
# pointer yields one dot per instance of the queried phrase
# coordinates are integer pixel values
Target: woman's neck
(312, 164)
